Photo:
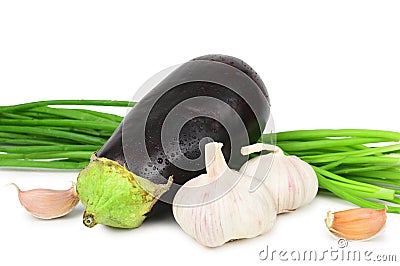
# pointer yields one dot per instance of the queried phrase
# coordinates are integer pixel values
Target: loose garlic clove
(356, 224)
(48, 203)
(218, 207)
(291, 181)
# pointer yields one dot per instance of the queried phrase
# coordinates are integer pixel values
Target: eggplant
(210, 98)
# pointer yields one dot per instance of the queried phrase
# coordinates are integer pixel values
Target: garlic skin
(48, 203)
(217, 207)
(292, 182)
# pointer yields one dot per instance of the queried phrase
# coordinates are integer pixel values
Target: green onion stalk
(358, 165)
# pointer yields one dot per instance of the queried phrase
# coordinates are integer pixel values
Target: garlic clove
(48, 203)
(356, 224)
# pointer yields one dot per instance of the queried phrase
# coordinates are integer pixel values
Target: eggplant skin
(210, 98)
(239, 64)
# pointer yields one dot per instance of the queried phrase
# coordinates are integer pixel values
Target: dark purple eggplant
(210, 98)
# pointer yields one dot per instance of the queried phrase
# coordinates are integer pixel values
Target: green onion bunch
(360, 166)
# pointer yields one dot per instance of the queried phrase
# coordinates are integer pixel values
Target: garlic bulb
(291, 181)
(217, 207)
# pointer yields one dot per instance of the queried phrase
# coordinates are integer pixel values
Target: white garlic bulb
(292, 182)
(217, 207)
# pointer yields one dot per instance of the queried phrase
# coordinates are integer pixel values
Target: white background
(327, 64)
